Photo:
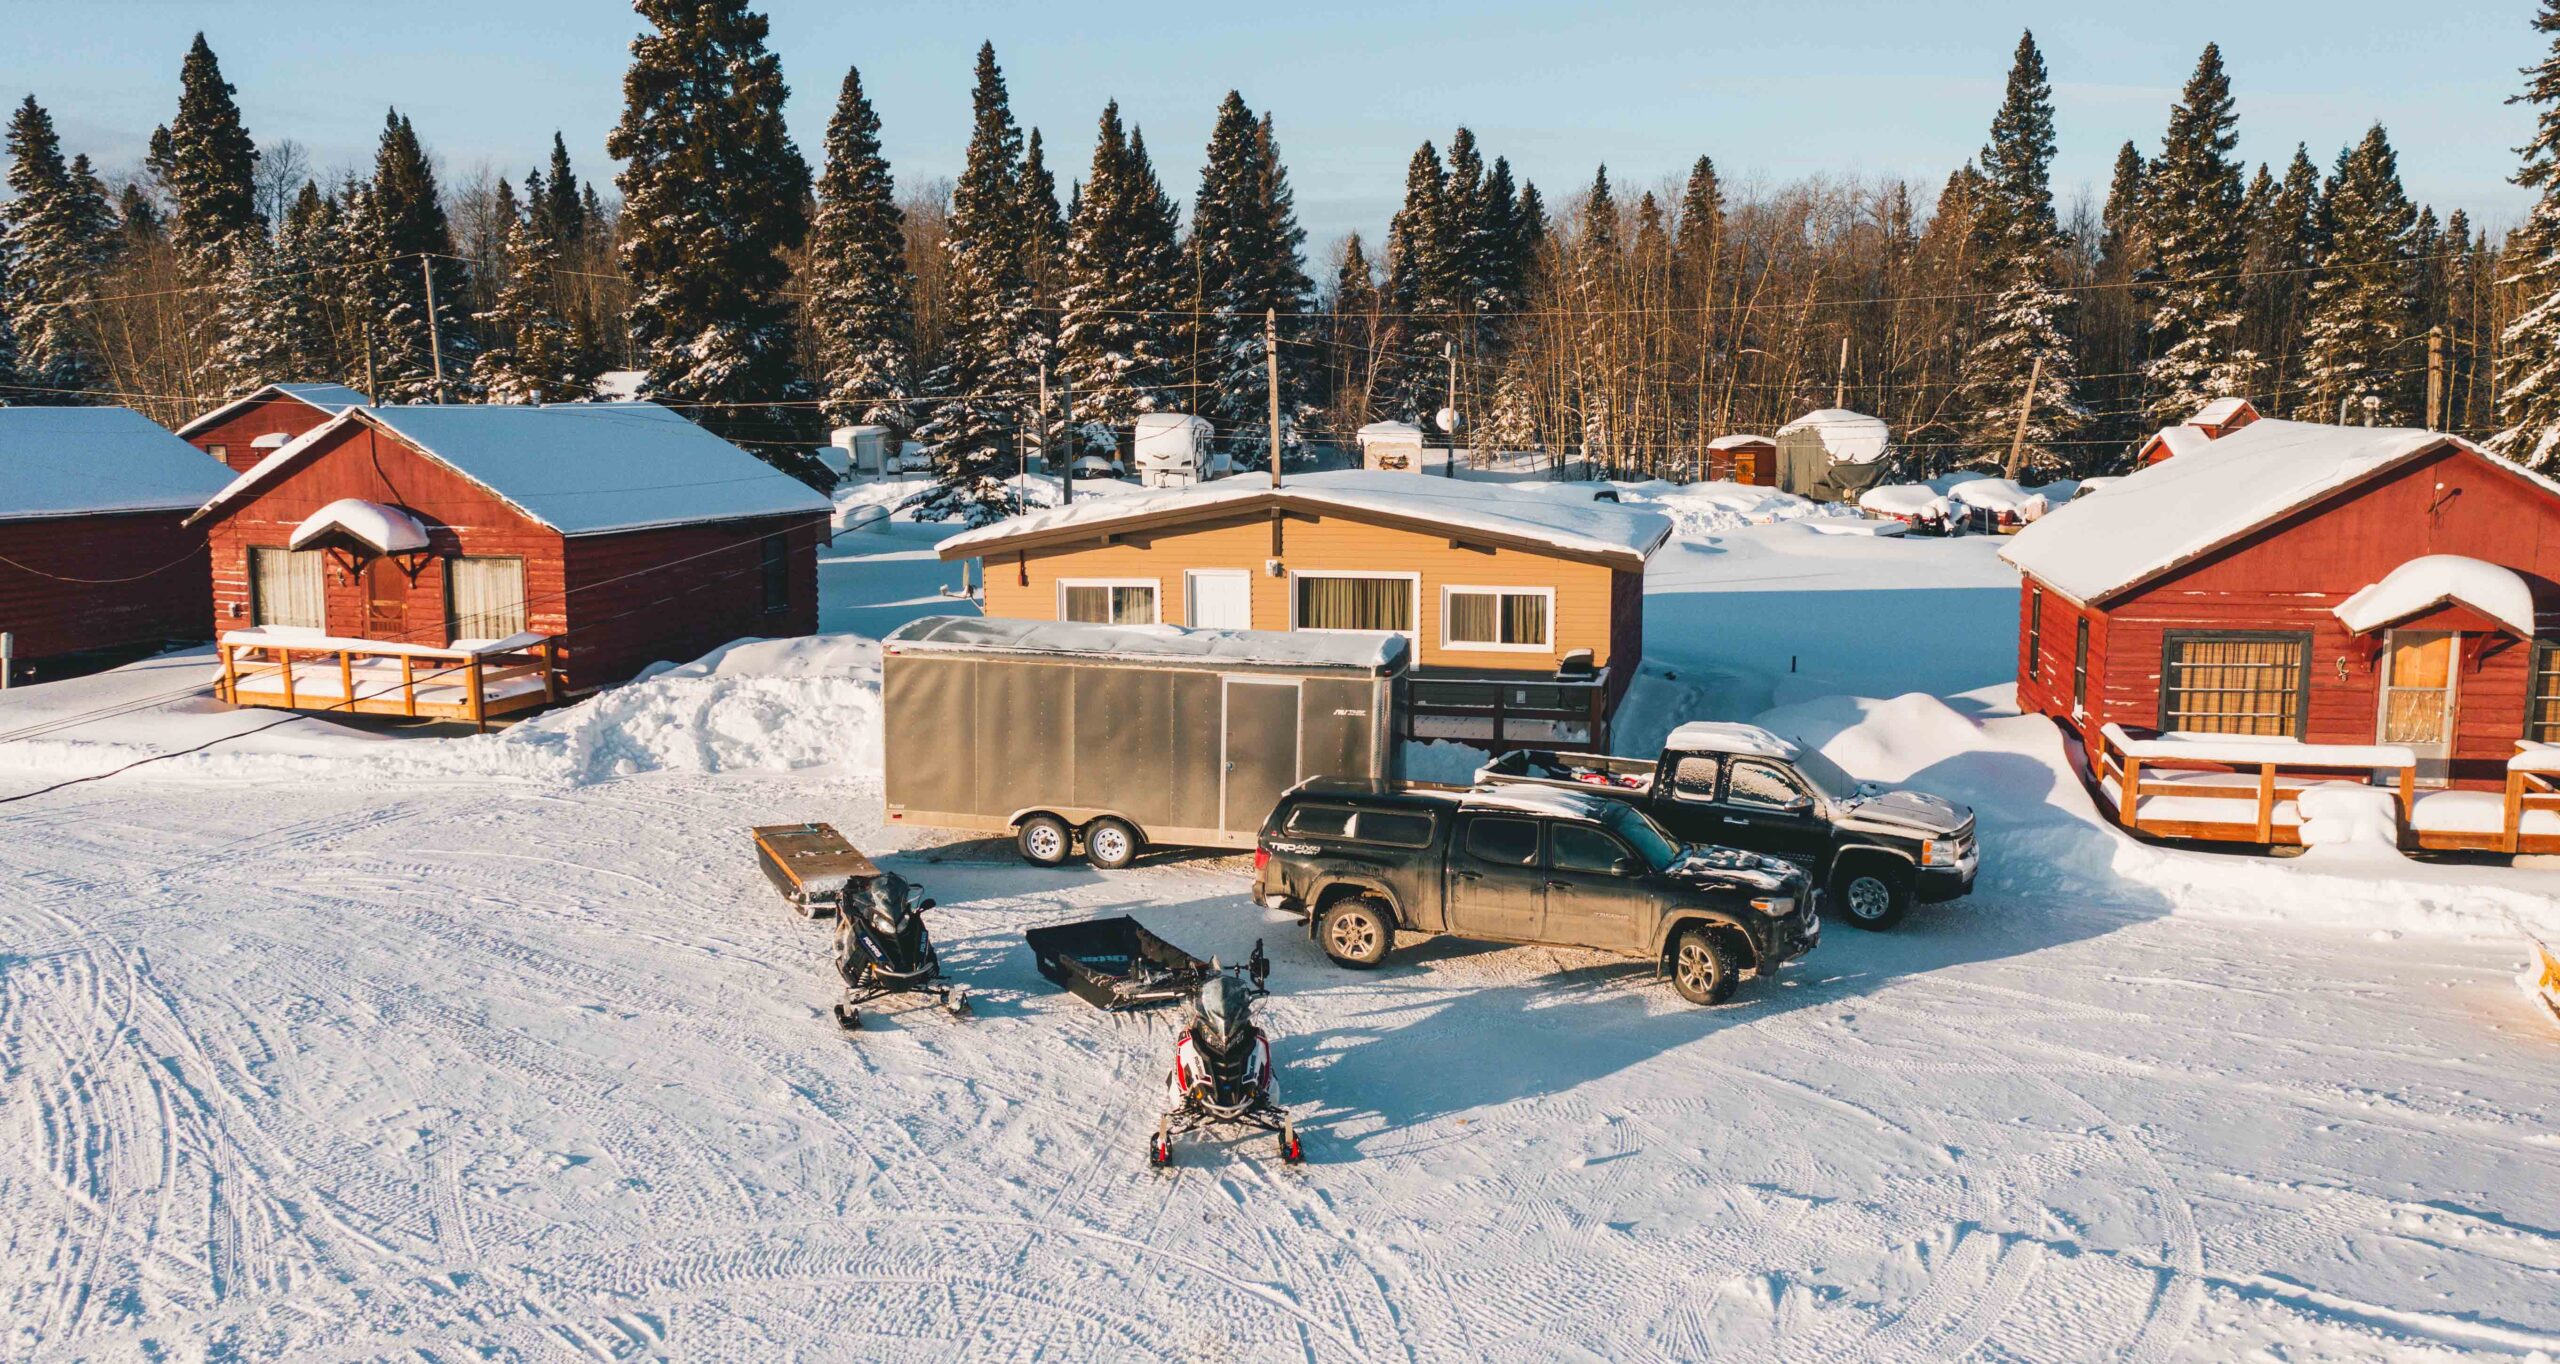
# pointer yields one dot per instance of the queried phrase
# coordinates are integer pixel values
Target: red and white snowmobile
(1222, 1072)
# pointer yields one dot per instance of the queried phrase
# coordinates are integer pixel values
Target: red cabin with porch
(249, 428)
(465, 561)
(2384, 598)
(96, 557)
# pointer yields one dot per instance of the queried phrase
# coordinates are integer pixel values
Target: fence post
(2266, 802)
(8, 657)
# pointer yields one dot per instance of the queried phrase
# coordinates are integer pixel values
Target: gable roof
(2183, 439)
(2220, 411)
(578, 468)
(73, 461)
(330, 398)
(2174, 512)
(1547, 518)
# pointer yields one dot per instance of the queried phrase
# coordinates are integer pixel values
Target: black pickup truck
(1874, 849)
(1361, 861)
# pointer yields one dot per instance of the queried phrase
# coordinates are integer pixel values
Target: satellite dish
(1449, 420)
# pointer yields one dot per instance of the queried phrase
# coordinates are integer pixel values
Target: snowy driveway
(533, 1072)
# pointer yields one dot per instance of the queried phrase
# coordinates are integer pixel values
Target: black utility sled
(1116, 963)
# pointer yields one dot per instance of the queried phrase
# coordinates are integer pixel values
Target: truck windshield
(1825, 774)
(1658, 849)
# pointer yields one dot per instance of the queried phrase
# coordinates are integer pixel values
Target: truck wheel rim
(1696, 970)
(1044, 842)
(1869, 897)
(1110, 845)
(1353, 936)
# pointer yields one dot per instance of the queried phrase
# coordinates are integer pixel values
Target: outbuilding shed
(1743, 458)
(1832, 454)
(258, 423)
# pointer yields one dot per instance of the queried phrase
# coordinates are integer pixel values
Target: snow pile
(2000, 495)
(1907, 501)
(1717, 506)
(2345, 821)
(2433, 580)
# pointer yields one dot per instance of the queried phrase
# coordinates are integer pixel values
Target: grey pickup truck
(1362, 861)
(1873, 848)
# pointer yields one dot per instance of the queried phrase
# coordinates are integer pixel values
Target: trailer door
(1260, 741)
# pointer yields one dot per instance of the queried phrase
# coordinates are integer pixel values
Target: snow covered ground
(341, 1041)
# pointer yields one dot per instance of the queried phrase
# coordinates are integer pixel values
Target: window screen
(1694, 779)
(284, 588)
(1763, 786)
(1509, 842)
(2542, 706)
(1501, 618)
(1572, 847)
(484, 598)
(2233, 684)
(1326, 603)
(1111, 604)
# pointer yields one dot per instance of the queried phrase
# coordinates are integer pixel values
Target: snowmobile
(882, 949)
(1222, 1065)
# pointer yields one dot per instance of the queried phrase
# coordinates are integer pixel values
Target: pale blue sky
(1771, 91)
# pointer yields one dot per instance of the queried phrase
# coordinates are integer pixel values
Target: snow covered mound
(1707, 508)
(2344, 821)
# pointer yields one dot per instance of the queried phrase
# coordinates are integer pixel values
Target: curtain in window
(1471, 617)
(284, 588)
(1355, 603)
(1103, 605)
(1524, 618)
(2542, 708)
(1089, 605)
(2234, 686)
(486, 596)
(1133, 606)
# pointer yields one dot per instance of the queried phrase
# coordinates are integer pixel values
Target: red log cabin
(1743, 459)
(257, 424)
(2211, 422)
(95, 553)
(2297, 602)
(464, 561)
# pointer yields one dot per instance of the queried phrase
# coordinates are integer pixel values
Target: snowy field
(349, 1042)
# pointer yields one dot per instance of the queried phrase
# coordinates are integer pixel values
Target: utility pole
(2026, 405)
(1271, 381)
(1840, 386)
(2435, 378)
(1067, 414)
(1449, 414)
(435, 334)
(1040, 433)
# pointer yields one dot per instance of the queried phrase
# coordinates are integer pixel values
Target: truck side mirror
(1624, 866)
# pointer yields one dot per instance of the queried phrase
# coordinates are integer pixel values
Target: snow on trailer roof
(2434, 580)
(330, 398)
(1152, 643)
(1851, 437)
(579, 468)
(1538, 515)
(2179, 510)
(72, 461)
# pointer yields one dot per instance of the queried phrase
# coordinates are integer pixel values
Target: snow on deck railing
(261, 637)
(2120, 759)
(2254, 750)
(471, 679)
(2534, 756)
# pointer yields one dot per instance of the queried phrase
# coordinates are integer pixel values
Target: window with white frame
(1369, 602)
(284, 589)
(484, 597)
(1516, 618)
(1107, 601)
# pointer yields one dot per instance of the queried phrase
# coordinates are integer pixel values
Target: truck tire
(1043, 840)
(1702, 969)
(1871, 892)
(1357, 931)
(1111, 844)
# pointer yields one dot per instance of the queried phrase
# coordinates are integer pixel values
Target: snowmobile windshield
(886, 902)
(1222, 1015)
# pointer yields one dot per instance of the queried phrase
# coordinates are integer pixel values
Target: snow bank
(1716, 506)
(1440, 760)
(2344, 821)
(2432, 580)
(1910, 501)
(2001, 495)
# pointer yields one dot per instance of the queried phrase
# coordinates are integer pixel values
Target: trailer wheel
(1701, 969)
(1043, 840)
(1111, 844)
(1356, 931)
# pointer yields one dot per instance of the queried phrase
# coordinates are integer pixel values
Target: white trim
(1154, 586)
(1190, 599)
(1414, 600)
(1449, 642)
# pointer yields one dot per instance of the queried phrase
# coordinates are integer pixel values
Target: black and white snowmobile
(1222, 1071)
(882, 949)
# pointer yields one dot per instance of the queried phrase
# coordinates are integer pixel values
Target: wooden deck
(471, 685)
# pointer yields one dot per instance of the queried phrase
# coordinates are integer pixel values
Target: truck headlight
(1942, 852)
(1775, 906)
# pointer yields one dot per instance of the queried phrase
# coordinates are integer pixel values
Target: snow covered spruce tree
(1123, 284)
(991, 337)
(207, 162)
(410, 239)
(529, 357)
(1422, 295)
(2283, 242)
(1044, 245)
(1596, 361)
(2192, 210)
(1247, 243)
(859, 305)
(713, 194)
(58, 233)
(2025, 331)
(297, 315)
(2529, 401)
(2360, 298)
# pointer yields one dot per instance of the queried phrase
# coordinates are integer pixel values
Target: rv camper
(858, 451)
(1172, 449)
(1391, 445)
(1116, 737)
(1832, 455)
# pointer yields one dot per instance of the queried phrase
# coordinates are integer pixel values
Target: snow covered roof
(2184, 439)
(384, 529)
(2178, 510)
(1390, 431)
(1851, 437)
(579, 468)
(1723, 736)
(70, 461)
(621, 385)
(2000, 495)
(1169, 421)
(2433, 580)
(1543, 516)
(1737, 441)
(1152, 643)
(330, 398)
(2218, 412)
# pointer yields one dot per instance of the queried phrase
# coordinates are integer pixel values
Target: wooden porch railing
(2265, 774)
(374, 677)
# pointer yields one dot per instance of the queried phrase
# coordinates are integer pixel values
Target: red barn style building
(460, 562)
(1743, 459)
(2211, 422)
(2364, 598)
(95, 552)
(250, 428)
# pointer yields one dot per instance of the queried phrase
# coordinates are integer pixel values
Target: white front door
(1219, 598)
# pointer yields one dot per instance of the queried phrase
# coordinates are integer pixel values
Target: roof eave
(1081, 532)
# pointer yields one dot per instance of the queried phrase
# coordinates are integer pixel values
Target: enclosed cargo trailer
(1121, 736)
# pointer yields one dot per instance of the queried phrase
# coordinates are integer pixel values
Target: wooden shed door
(2418, 696)
(386, 601)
